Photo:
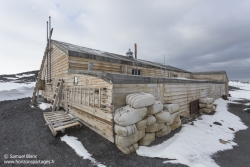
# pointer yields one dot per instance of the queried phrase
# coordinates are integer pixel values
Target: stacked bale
(142, 120)
(206, 105)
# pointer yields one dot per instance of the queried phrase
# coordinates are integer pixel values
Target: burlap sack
(125, 131)
(154, 128)
(155, 108)
(147, 139)
(206, 110)
(206, 100)
(204, 105)
(127, 115)
(176, 124)
(151, 120)
(141, 124)
(139, 100)
(125, 141)
(162, 117)
(172, 117)
(164, 131)
(213, 108)
(171, 108)
(130, 149)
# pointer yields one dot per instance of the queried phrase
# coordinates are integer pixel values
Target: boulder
(155, 108)
(125, 131)
(204, 105)
(147, 139)
(154, 128)
(164, 131)
(130, 149)
(141, 124)
(139, 100)
(171, 108)
(127, 115)
(177, 123)
(126, 141)
(162, 117)
(206, 100)
(206, 110)
(151, 120)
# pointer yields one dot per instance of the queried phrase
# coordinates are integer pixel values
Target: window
(75, 80)
(136, 72)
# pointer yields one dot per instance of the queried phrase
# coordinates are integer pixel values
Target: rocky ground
(23, 131)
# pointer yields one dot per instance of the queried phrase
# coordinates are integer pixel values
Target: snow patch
(44, 106)
(79, 149)
(247, 104)
(195, 144)
(25, 75)
(246, 109)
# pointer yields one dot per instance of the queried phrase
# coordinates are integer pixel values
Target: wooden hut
(93, 83)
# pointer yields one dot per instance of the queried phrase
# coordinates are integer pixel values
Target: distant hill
(23, 77)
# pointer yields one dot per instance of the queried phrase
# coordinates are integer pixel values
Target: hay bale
(162, 117)
(155, 108)
(206, 100)
(125, 131)
(141, 124)
(147, 139)
(171, 108)
(164, 131)
(130, 149)
(206, 110)
(151, 120)
(172, 117)
(204, 105)
(127, 115)
(155, 127)
(177, 123)
(139, 100)
(126, 141)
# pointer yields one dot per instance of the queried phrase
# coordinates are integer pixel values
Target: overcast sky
(197, 35)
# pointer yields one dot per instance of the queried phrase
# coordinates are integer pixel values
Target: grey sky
(198, 35)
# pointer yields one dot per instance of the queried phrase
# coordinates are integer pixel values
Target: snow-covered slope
(243, 89)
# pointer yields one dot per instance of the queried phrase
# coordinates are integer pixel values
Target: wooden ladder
(57, 97)
(39, 77)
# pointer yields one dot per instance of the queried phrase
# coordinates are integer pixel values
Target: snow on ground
(25, 75)
(44, 106)
(79, 149)
(244, 93)
(13, 91)
(195, 144)
(247, 104)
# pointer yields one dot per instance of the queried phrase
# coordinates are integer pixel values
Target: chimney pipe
(135, 50)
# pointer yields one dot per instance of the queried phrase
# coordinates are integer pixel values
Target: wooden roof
(79, 51)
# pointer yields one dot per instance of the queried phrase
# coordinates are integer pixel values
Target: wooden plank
(66, 126)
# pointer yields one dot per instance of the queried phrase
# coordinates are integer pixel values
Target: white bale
(147, 139)
(162, 117)
(206, 100)
(130, 149)
(164, 131)
(138, 100)
(171, 108)
(125, 131)
(204, 105)
(154, 128)
(127, 115)
(151, 120)
(206, 110)
(177, 123)
(125, 141)
(213, 108)
(172, 117)
(141, 124)
(155, 108)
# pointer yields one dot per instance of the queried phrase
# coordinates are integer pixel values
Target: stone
(147, 139)
(126, 141)
(163, 132)
(217, 123)
(154, 128)
(162, 117)
(139, 100)
(125, 131)
(155, 108)
(171, 108)
(127, 115)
